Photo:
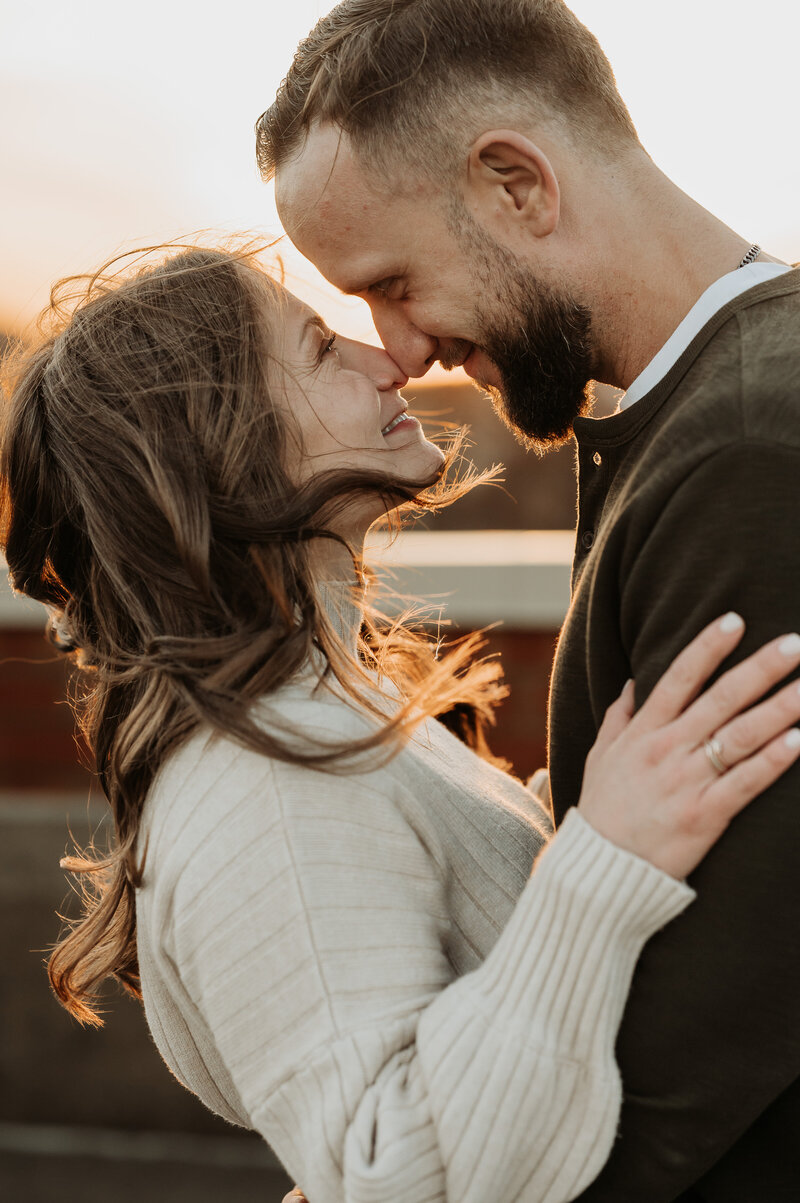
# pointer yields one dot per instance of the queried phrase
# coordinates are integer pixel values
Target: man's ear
(511, 181)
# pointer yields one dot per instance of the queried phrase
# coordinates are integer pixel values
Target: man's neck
(667, 252)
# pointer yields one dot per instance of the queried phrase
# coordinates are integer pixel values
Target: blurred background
(131, 125)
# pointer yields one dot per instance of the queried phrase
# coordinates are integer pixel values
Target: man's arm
(711, 1036)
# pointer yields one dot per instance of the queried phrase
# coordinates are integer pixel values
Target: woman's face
(343, 397)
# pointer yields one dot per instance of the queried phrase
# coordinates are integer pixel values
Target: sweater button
(587, 539)
(597, 459)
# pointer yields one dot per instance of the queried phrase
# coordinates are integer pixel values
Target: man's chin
(539, 417)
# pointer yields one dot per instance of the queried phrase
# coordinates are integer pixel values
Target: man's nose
(412, 349)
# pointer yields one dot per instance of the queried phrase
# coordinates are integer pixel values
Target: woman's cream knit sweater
(365, 970)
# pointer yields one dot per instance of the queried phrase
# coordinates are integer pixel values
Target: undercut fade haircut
(415, 81)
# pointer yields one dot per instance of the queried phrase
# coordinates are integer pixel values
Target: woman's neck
(330, 561)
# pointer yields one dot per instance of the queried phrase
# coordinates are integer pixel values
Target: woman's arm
(373, 1073)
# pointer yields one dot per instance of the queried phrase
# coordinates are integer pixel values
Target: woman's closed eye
(326, 347)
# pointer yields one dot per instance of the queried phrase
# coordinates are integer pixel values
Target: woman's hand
(666, 782)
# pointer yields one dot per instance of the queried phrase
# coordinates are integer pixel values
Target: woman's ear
(511, 184)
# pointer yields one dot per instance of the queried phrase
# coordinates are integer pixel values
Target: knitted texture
(365, 970)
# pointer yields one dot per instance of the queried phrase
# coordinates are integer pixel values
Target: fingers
(690, 670)
(749, 732)
(653, 790)
(739, 688)
(731, 792)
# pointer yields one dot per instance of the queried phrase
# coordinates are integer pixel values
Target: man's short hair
(414, 81)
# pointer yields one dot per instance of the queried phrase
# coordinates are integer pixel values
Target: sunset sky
(127, 124)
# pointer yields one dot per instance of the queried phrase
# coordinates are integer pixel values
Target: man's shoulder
(744, 385)
(769, 335)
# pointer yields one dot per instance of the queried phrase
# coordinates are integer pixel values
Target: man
(469, 169)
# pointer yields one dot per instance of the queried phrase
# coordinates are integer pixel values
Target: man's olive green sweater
(689, 508)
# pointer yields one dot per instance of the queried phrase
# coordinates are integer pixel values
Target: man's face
(440, 288)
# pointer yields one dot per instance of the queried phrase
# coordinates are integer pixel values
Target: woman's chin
(430, 463)
(418, 470)
(418, 460)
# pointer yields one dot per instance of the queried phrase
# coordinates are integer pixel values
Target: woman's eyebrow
(314, 322)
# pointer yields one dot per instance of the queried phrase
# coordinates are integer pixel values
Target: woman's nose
(374, 362)
(411, 348)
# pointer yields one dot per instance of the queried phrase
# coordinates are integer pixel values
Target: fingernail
(731, 622)
(792, 738)
(790, 646)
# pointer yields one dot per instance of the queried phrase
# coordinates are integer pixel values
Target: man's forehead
(330, 211)
(323, 179)
(303, 176)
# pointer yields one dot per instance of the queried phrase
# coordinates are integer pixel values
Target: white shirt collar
(712, 300)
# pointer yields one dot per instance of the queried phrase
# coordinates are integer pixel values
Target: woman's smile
(332, 387)
(403, 420)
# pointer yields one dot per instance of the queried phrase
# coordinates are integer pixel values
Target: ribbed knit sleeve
(310, 931)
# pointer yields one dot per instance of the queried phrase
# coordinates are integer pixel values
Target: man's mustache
(455, 354)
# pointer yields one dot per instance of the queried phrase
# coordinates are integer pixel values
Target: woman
(325, 898)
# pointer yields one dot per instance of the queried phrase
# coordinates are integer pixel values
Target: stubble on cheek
(538, 340)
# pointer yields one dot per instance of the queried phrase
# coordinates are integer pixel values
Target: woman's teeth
(394, 422)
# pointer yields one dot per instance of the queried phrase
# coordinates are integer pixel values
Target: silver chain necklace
(753, 253)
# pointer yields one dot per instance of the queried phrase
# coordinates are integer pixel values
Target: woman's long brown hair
(144, 499)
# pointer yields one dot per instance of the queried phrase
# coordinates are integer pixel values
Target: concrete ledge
(42, 807)
(474, 577)
(520, 578)
(116, 1144)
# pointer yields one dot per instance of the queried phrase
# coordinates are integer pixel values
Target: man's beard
(539, 341)
(544, 360)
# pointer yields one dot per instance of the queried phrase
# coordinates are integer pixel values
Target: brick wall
(38, 747)
(39, 750)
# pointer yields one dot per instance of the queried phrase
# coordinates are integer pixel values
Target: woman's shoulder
(214, 790)
(307, 712)
(214, 797)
